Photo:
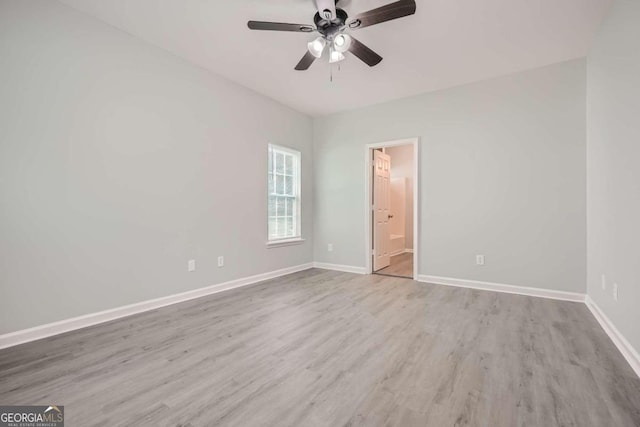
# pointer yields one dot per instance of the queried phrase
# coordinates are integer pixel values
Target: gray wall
(613, 171)
(502, 170)
(119, 162)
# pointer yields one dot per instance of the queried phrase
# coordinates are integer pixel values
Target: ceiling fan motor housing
(330, 27)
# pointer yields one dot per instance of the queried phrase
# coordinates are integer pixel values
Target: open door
(381, 213)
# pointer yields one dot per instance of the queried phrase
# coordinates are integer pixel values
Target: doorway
(392, 208)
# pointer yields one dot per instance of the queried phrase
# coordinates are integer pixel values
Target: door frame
(368, 235)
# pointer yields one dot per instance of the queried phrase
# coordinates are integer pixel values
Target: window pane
(291, 227)
(271, 184)
(290, 203)
(272, 229)
(272, 206)
(279, 162)
(280, 207)
(288, 189)
(279, 184)
(289, 164)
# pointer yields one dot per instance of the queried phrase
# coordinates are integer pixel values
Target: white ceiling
(446, 43)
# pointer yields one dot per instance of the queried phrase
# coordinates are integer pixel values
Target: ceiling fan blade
(305, 62)
(326, 7)
(367, 56)
(381, 14)
(279, 26)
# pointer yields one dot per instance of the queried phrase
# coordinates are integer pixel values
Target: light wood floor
(322, 348)
(401, 266)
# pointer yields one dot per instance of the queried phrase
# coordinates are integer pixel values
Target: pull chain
(331, 72)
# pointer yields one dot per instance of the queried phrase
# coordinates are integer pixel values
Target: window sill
(287, 242)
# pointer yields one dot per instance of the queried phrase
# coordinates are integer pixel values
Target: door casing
(369, 201)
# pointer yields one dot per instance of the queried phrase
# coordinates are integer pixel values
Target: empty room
(319, 213)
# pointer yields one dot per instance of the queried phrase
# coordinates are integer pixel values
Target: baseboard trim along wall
(338, 267)
(627, 350)
(498, 287)
(68, 325)
(43, 331)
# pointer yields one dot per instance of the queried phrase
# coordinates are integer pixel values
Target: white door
(381, 213)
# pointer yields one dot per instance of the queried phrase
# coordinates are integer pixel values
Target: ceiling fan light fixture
(335, 57)
(317, 46)
(342, 42)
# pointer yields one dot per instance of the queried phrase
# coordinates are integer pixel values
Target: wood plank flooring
(401, 266)
(323, 348)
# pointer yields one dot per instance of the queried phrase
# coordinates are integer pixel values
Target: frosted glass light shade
(335, 56)
(317, 46)
(342, 42)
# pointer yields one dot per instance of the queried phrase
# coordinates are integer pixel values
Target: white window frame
(297, 177)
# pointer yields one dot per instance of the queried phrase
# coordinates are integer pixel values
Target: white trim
(398, 252)
(498, 287)
(368, 269)
(67, 325)
(627, 350)
(408, 251)
(630, 354)
(284, 149)
(284, 242)
(43, 331)
(338, 267)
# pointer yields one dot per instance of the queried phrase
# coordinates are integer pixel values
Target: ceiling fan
(331, 23)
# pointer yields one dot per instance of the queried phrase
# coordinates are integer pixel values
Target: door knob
(390, 216)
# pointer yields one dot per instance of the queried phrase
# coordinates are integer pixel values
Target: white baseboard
(338, 267)
(627, 350)
(630, 354)
(497, 287)
(67, 325)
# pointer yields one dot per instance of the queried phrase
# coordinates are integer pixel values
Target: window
(284, 194)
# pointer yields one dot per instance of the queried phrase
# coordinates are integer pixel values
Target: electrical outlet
(330, 247)
(615, 292)
(479, 259)
(604, 282)
(191, 265)
(220, 261)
